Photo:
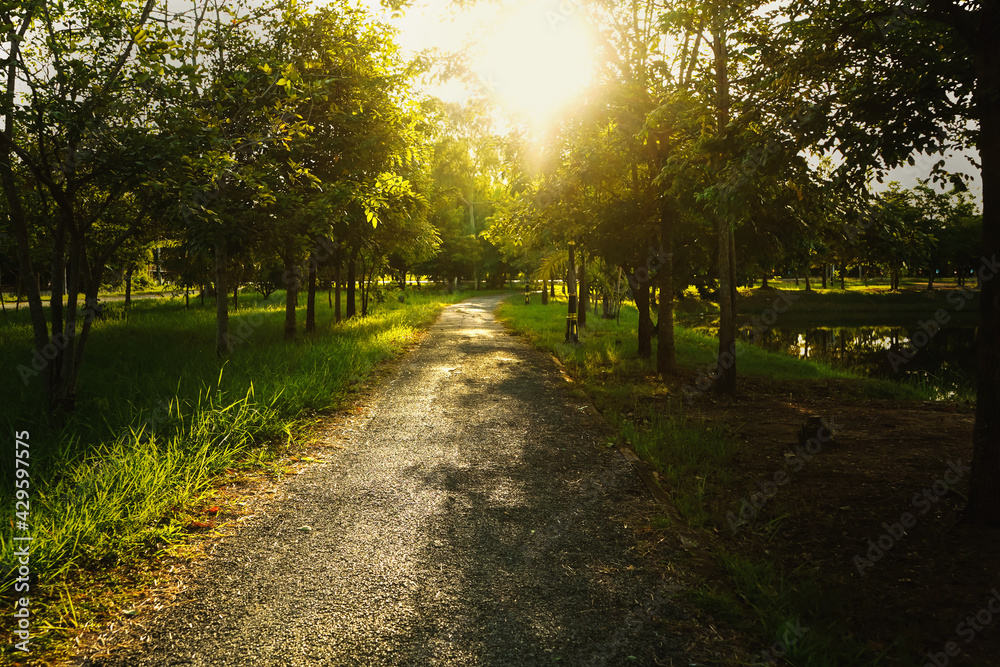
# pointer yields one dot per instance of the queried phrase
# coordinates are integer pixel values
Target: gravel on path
(476, 518)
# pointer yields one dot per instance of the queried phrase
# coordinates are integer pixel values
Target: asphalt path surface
(476, 517)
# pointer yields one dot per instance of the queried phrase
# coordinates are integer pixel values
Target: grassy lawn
(857, 297)
(699, 462)
(607, 356)
(159, 419)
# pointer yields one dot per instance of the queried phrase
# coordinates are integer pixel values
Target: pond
(905, 349)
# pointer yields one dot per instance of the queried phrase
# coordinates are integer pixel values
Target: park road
(475, 518)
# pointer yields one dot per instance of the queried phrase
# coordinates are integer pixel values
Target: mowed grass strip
(790, 615)
(159, 417)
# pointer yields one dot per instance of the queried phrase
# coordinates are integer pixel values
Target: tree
(75, 130)
(950, 221)
(741, 161)
(463, 168)
(237, 117)
(882, 79)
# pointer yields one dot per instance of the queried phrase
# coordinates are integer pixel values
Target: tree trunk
(763, 282)
(128, 287)
(60, 378)
(725, 382)
(367, 275)
(930, 279)
(293, 284)
(18, 221)
(58, 276)
(352, 281)
(666, 362)
(545, 292)
(825, 270)
(222, 343)
(984, 493)
(640, 294)
(572, 332)
(618, 295)
(808, 284)
(311, 296)
(552, 285)
(583, 290)
(339, 278)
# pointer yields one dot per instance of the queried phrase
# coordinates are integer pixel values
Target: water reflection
(902, 352)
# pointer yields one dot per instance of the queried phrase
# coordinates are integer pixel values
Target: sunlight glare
(537, 61)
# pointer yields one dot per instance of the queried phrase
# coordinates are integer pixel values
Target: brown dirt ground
(883, 455)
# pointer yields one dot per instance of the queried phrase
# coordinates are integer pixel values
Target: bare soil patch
(840, 515)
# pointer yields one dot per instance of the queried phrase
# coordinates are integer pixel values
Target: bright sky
(536, 56)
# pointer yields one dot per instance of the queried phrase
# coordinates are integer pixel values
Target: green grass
(697, 464)
(608, 355)
(796, 617)
(856, 298)
(159, 417)
(690, 457)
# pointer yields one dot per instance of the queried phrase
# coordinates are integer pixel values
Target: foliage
(160, 420)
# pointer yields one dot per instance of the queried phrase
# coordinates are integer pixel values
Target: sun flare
(536, 60)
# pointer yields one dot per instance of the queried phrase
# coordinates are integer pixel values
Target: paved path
(475, 519)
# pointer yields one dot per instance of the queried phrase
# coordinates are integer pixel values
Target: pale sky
(537, 55)
(908, 176)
